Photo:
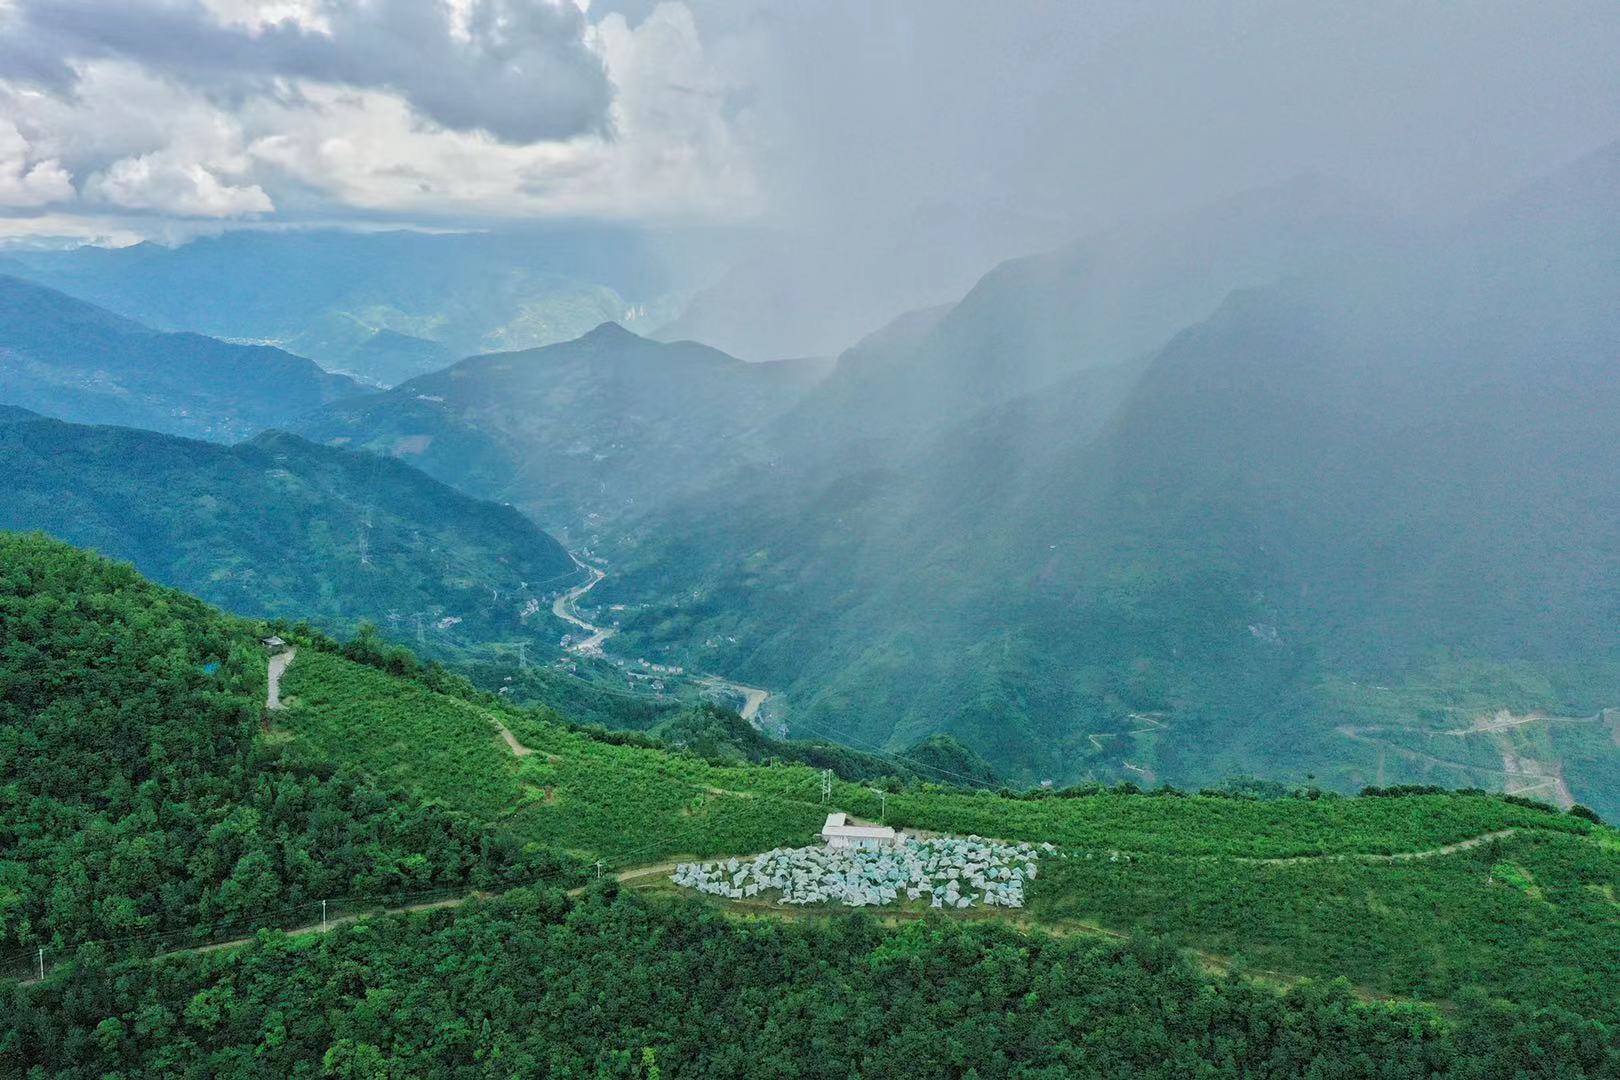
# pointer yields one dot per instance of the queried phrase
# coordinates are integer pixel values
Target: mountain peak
(609, 331)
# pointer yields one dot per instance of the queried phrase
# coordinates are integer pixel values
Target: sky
(129, 119)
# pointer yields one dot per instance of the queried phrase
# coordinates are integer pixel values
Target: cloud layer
(517, 69)
(319, 109)
(858, 125)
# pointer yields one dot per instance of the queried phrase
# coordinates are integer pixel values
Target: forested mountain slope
(603, 425)
(67, 358)
(135, 793)
(147, 790)
(280, 527)
(1334, 529)
(611, 985)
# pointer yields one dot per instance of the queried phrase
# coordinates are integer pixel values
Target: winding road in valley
(566, 608)
(1520, 775)
(753, 697)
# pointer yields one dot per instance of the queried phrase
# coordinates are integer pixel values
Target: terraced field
(1426, 896)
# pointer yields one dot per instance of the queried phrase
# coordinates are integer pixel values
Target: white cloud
(518, 69)
(172, 185)
(297, 148)
(672, 154)
(141, 144)
(257, 14)
(26, 180)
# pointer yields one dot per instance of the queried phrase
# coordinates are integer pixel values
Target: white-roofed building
(840, 834)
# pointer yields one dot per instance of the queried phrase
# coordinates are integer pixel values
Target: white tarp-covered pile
(948, 873)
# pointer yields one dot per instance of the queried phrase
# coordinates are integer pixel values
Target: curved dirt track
(278, 666)
(1399, 856)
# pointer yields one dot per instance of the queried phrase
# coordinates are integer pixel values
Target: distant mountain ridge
(383, 305)
(607, 424)
(1098, 302)
(68, 358)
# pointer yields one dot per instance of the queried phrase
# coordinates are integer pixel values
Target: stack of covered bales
(950, 873)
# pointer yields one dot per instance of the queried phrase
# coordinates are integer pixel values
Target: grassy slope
(1531, 918)
(622, 804)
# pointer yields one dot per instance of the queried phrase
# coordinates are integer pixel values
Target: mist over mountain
(1382, 467)
(813, 291)
(603, 426)
(1101, 301)
(67, 358)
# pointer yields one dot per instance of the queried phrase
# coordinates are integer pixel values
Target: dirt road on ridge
(1520, 775)
(278, 665)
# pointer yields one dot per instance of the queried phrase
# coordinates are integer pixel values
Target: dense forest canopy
(135, 793)
(611, 985)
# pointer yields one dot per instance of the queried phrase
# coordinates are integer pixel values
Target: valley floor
(566, 608)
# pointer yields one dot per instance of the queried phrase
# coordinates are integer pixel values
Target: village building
(840, 834)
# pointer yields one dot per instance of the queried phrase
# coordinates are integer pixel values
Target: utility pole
(323, 916)
(826, 784)
(42, 963)
(883, 806)
(419, 638)
(523, 656)
(598, 865)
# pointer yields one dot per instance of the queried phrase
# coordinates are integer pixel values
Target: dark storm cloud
(1093, 110)
(521, 71)
(923, 140)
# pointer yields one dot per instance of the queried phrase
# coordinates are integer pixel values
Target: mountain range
(1281, 487)
(1103, 301)
(384, 306)
(596, 428)
(73, 360)
(278, 527)
(1366, 458)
